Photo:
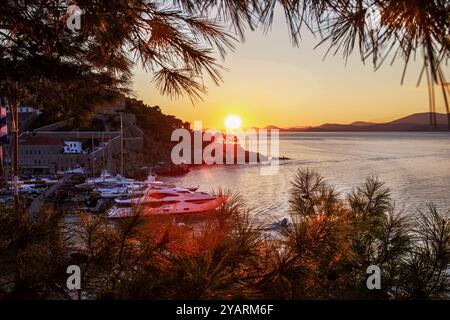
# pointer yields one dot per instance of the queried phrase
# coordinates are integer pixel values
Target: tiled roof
(40, 141)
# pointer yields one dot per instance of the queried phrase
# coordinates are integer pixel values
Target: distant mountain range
(418, 122)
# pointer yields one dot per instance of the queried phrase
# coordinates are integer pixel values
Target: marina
(117, 196)
(259, 150)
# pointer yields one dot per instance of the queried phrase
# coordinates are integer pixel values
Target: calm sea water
(416, 166)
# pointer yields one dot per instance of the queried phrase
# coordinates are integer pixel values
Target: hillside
(419, 122)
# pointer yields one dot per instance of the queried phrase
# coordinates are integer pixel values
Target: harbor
(235, 151)
(113, 196)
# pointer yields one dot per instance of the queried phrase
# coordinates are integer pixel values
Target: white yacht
(105, 176)
(128, 191)
(105, 179)
(166, 201)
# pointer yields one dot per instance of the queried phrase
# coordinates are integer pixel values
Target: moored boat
(166, 202)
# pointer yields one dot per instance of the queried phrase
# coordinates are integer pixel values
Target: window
(161, 195)
(158, 204)
(197, 201)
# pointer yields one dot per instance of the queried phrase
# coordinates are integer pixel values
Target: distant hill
(417, 122)
(421, 119)
(362, 123)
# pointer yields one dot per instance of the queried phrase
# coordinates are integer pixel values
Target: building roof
(40, 141)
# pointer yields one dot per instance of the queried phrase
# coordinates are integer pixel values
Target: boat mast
(14, 110)
(2, 171)
(121, 145)
(104, 155)
(3, 140)
(92, 157)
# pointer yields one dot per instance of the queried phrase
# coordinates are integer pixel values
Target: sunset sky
(270, 82)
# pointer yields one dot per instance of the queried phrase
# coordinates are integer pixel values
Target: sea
(415, 166)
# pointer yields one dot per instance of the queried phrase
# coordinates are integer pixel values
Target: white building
(73, 147)
(24, 109)
(27, 109)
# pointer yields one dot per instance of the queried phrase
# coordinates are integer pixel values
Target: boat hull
(154, 209)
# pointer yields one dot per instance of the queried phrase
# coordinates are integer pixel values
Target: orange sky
(270, 82)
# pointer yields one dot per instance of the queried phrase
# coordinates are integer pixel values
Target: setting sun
(233, 122)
